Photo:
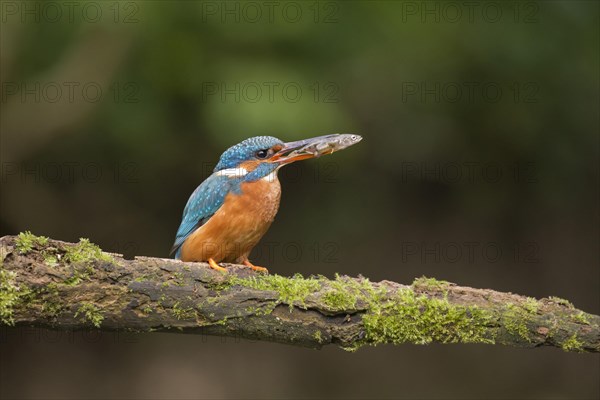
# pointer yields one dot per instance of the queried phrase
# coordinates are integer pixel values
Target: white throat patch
(233, 172)
(272, 177)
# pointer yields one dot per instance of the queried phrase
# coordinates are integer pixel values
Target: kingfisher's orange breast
(231, 233)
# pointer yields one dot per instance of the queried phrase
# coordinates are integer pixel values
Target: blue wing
(203, 204)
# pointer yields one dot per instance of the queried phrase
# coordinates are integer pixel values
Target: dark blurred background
(479, 165)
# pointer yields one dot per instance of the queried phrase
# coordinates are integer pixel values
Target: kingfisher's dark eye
(262, 153)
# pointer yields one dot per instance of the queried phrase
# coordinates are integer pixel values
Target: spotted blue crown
(244, 151)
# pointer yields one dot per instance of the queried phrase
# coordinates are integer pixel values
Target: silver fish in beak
(314, 147)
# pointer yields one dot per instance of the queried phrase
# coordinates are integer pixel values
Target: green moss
(76, 278)
(90, 313)
(318, 336)
(142, 278)
(561, 302)
(51, 309)
(49, 296)
(408, 317)
(515, 319)
(572, 344)
(341, 294)
(147, 309)
(531, 305)
(51, 260)
(26, 241)
(84, 251)
(179, 279)
(339, 300)
(396, 317)
(430, 283)
(183, 313)
(292, 291)
(220, 286)
(264, 310)
(581, 318)
(11, 296)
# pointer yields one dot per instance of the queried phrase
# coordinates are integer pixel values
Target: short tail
(176, 251)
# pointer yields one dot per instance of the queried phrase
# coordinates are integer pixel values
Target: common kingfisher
(233, 208)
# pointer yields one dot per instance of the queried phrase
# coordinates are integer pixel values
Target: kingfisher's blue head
(253, 149)
(250, 158)
(258, 156)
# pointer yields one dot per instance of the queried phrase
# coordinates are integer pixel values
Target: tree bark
(58, 285)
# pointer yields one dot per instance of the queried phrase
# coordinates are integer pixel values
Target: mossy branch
(58, 285)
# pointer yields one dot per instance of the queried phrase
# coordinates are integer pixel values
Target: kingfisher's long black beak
(313, 147)
(294, 151)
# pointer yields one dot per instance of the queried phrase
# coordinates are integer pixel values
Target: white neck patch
(271, 177)
(233, 172)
